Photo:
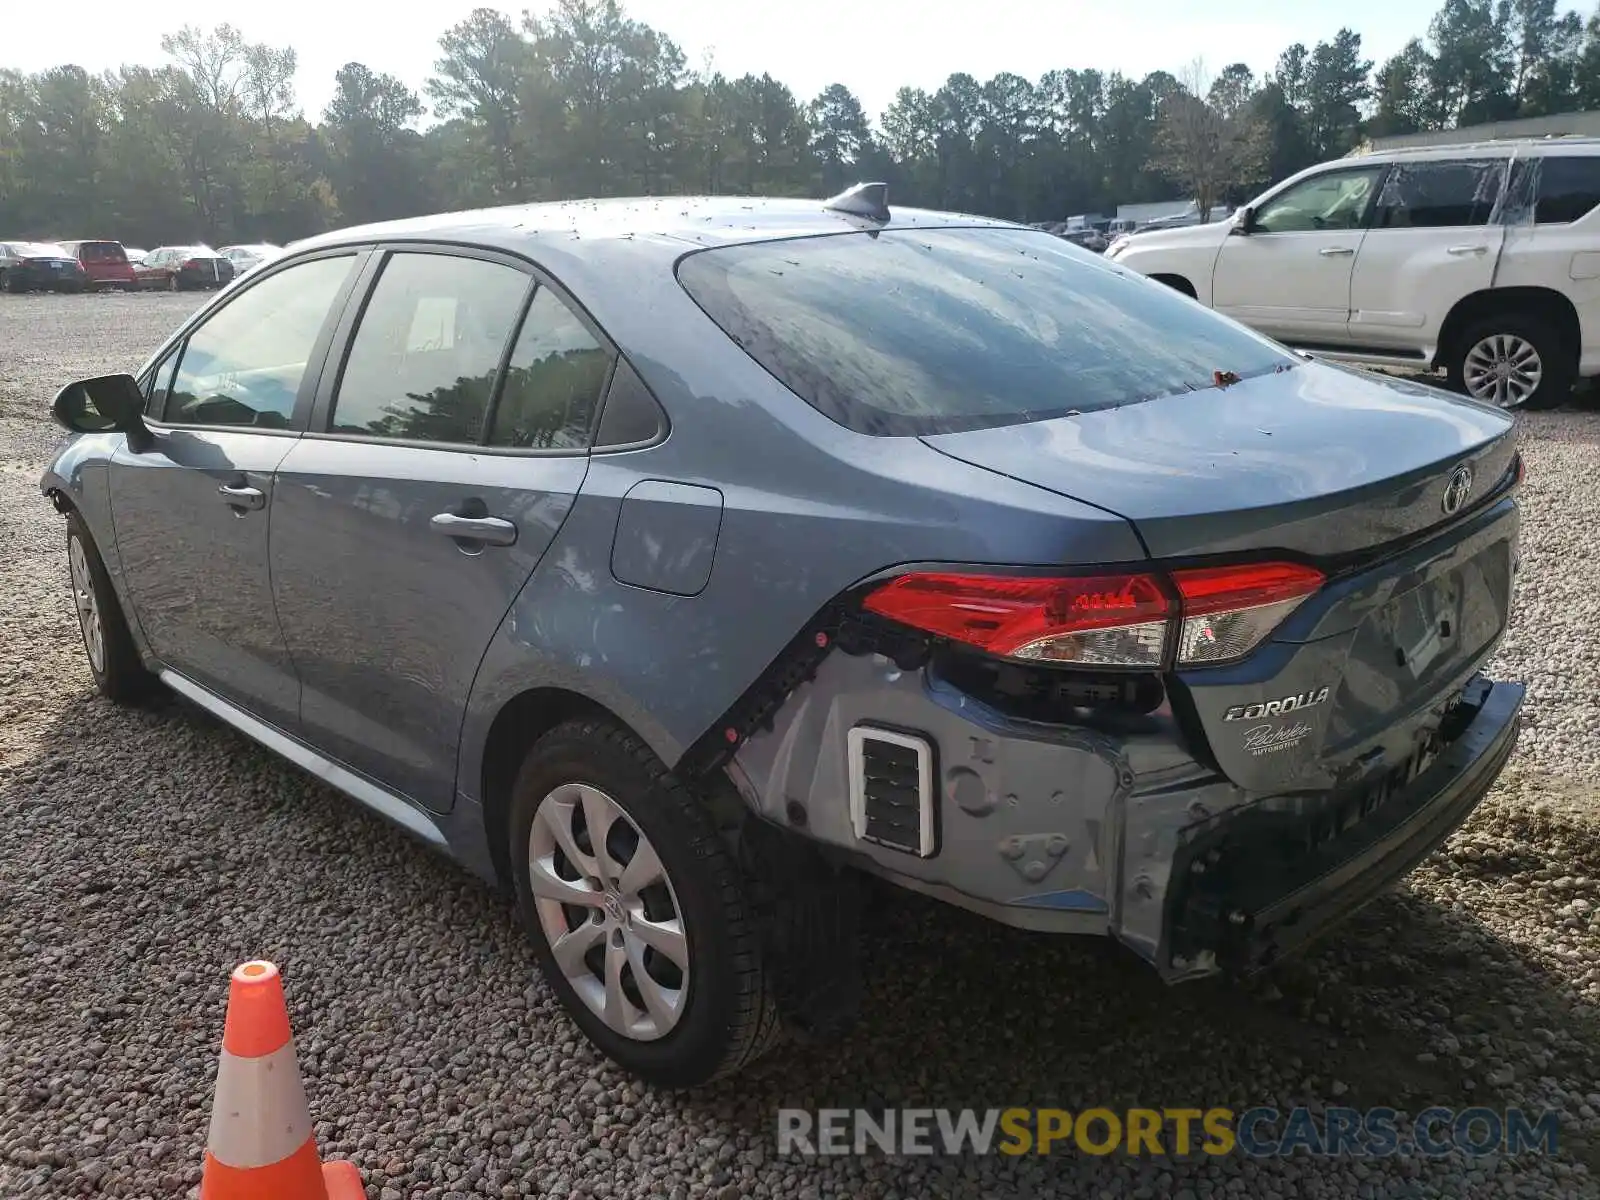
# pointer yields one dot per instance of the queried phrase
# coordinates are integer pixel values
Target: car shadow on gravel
(958, 1012)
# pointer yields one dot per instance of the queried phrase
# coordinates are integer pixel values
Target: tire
(720, 1017)
(10, 283)
(107, 644)
(1511, 337)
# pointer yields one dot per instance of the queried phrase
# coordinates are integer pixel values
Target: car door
(444, 454)
(1288, 274)
(191, 506)
(1433, 240)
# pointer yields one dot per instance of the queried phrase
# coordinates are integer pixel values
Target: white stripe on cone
(259, 1116)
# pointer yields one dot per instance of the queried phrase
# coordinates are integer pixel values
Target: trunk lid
(1319, 460)
(1323, 462)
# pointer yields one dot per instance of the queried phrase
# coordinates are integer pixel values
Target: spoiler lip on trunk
(1321, 460)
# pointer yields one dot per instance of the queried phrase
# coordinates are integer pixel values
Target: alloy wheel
(608, 911)
(83, 598)
(1503, 369)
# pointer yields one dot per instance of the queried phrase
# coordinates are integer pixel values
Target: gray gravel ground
(143, 854)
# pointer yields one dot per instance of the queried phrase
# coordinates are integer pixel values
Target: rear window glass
(101, 252)
(914, 332)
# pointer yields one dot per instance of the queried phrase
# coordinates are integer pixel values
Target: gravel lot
(143, 854)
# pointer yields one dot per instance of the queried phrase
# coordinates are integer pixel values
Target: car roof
(665, 226)
(1487, 148)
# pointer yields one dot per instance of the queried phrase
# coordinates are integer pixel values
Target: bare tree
(1207, 147)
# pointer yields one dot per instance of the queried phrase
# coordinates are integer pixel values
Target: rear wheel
(634, 906)
(113, 657)
(11, 283)
(1513, 361)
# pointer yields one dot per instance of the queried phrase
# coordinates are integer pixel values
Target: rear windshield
(913, 332)
(109, 252)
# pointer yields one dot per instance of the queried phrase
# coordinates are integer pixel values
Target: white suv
(1483, 259)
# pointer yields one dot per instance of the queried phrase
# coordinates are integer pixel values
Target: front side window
(553, 380)
(160, 386)
(423, 362)
(1438, 195)
(244, 365)
(1336, 200)
(914, 331)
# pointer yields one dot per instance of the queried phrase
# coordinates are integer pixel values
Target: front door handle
(1460, 250)
(242, 495)
(492, 531)
(1335, 251)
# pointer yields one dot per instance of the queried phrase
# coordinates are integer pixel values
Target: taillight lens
(1110, 620)
(1106, 620)
(1228, 611)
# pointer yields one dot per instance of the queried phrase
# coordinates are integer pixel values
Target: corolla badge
(1309, 698)
(1457, 490)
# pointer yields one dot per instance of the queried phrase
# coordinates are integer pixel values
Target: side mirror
(104, 404)
(1244, 222)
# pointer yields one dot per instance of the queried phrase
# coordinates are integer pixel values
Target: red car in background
(179, 268)
(105, 263)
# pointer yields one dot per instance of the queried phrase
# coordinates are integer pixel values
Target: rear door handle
(242, 495)
(1460, 250)
(1335, 251)
(492, 531)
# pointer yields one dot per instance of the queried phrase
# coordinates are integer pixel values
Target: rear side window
(244, 364)
(1569, 188)
(914, 332)
(553, 380)
(426, 353)
(1429, 195)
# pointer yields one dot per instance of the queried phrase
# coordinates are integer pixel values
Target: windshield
(911, 332)
(101, 252)
(40, 250)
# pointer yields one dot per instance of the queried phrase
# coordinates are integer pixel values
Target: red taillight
(1519, 468)
(1108, 620)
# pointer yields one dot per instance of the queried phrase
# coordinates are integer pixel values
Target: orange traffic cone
(261, 1145)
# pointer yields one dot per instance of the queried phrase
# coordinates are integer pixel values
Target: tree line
(583, 100)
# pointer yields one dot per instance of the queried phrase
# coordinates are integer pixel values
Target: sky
(873, 47)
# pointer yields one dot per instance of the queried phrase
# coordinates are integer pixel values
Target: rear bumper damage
(1271, 877)
(1118, 832)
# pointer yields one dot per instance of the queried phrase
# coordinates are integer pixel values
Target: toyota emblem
(1457, 490)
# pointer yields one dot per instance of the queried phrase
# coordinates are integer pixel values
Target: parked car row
(94, 265)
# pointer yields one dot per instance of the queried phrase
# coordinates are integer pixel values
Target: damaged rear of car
(1211, 751)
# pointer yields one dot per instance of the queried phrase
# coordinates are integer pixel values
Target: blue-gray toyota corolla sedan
(681, 563)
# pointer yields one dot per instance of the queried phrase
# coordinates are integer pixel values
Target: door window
(425, 356)
(160, 386)
(553, 380)
(1435, 195)
(1568, 186)
(1335, 200)
(244, 365)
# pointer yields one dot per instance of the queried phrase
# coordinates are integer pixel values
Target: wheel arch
(1177, 282)
(521, 721)
(1547, 303)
